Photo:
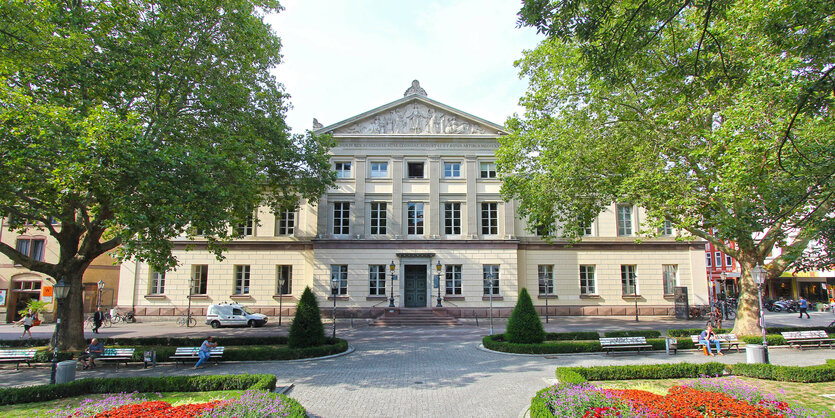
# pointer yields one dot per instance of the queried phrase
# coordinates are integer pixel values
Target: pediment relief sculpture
(414, 118)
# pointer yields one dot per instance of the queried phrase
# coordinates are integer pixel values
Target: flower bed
(707, 397)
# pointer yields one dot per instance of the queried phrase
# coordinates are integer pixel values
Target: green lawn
(41, 409)
(803, 394)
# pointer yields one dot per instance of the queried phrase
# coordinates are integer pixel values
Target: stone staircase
(415, 317)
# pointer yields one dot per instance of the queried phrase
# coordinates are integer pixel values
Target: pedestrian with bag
(804, 305)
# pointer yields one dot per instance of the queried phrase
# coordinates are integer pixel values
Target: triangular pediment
(414, 115)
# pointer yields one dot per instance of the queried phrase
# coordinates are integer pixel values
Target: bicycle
(187, 319)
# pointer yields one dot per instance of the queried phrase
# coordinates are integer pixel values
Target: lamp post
(438, 281)
(393, 277)
(760, 275)
(190, 292)
(101, 289)
(281, 281)
(334, 290)
(490, 287)
(724, 277)
(543, 281)
(60, 292)
(635, 293)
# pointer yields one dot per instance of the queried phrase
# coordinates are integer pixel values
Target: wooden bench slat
(18, 356)
(798, 338)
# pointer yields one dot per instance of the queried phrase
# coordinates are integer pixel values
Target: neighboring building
(417, 187)
(717, 263)
(18, 285)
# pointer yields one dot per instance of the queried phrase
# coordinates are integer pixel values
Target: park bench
(18, 356)
(624, 343)
(726, 341)
(117, 354)
(799, 338)
(190, 353)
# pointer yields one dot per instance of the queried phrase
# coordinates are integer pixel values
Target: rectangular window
(629, 279)
(452, 170)
(586, 228)
(247, 227)
(343, 170)
(286, 222)
(624, 218)
(378, 219)
(33, 248)
(488, 170)
(284, 279)
(414, 214)
(415, 170)
(341, 218)
(379, 170)
(670, 278)
(718, 256)
(729, 261)
(490, 218)
(453, 279)
(340, 272)
(241, 280)
(490, 274)
(708, 260)
(452, 218)
(666, 229)
(377, 280)
(546, 279)
(588, 280)
(157, 283)
(200, 279)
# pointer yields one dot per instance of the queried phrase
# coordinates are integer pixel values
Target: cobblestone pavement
(437, 371)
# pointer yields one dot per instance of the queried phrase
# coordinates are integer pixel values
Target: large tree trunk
(748, 313)
(71, 329)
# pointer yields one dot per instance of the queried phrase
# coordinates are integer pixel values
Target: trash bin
(755, 353)
(149, 358)
(65, 371)
(670, 344)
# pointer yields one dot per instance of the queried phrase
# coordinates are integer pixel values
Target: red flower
(158, 409)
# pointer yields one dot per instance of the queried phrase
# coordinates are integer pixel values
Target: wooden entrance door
(414, 282)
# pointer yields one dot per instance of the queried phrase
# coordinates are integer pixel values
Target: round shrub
(524, 326)
(307, 329)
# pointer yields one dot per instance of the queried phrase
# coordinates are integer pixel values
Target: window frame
(409, 165)
(342, 169)
(286, 223)
(378, 173)
(588, 274)
(342, 271)
(285, 270)
(247, 227)
(242, 279)
(376, 279)
(666, 228)
(415, 218)
(708, 260)
(378, 225)
(717, 260)
(30, 248)
(452, 170)
(453, 284)
(629, 273)
(490, 172)
(548, 271)
(452, 218)
(625, 227)
(669, 283)
(200, 279)
(729, 261)
(341, 223)
(156, 283)
(488, 223)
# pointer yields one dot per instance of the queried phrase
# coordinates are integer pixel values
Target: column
(397, 196)
(470, 213)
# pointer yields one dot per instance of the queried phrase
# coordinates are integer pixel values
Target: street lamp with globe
(334, 290)
(760, 274)
(438, 282)
(61, 289)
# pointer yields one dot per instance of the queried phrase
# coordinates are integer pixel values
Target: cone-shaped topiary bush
(524, 326)
(307, 329)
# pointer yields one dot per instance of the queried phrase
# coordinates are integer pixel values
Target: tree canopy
(128, 123)
(714, 115)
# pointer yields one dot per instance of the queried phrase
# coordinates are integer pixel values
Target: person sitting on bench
(708, 336)
(95, 350)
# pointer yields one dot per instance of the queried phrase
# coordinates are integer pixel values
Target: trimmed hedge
(644, 371)
(524, 325)
(809, 374)
(81, 387)
(566, 375)
(571, 336)
(539, 406)
(498, 343)
(155, 341)
(633, 333)
(686, 332)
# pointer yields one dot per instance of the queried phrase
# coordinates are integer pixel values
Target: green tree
(307, 329)
(132, 122)
(524, 325)
(715, 116)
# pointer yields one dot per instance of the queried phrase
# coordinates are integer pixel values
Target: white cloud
(342, 58)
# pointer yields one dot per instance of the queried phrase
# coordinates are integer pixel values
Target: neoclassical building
(418, 191)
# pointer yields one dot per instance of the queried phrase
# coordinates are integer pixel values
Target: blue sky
(342, 58)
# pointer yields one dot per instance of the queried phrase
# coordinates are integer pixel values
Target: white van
(233, 314)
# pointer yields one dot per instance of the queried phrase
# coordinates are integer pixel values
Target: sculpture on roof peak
(316, 124)
(415, 89)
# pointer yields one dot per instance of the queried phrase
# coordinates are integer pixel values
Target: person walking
(708, 336)
(28, 321)
(205, 351)
(98, 319)
(804, 305)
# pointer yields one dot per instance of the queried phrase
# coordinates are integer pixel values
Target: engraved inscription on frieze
(414, 118)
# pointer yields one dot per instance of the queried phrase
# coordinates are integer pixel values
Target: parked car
(233, 314)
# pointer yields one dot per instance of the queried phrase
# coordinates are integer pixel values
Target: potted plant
(36, 306)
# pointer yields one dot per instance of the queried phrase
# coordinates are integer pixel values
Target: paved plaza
(420, 371)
